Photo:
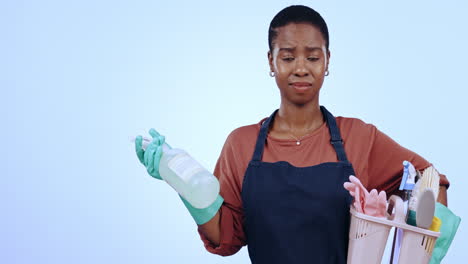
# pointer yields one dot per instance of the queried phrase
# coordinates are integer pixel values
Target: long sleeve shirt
(376, 159)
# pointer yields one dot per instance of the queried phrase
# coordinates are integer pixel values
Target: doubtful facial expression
(299, 60)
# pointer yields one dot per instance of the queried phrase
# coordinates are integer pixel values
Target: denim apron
(297, 215)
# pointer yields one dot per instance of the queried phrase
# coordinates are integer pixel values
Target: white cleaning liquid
(190, 179)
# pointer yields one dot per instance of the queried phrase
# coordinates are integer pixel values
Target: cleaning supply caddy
(368, 236)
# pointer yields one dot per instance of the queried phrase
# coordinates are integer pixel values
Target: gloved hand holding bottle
(198, 188)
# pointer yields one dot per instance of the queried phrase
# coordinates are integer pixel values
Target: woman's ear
(270, 61)
(328, 59)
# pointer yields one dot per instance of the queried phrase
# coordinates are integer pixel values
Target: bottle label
(184, 166)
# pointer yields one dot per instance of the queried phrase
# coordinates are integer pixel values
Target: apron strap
(261, 139)
(335, 136)
(336, 140)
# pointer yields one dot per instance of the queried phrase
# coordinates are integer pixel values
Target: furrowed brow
(287, 49)
(313, 48)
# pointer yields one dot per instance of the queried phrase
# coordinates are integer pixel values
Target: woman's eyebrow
(307, 48)
(313, 48)
(287, 49)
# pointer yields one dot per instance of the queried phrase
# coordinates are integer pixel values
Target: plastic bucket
(417, 245)
(368, 237)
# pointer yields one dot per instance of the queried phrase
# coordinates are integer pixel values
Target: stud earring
(327, 73)
(272, 74)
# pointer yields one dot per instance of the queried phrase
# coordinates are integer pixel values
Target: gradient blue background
(78, 78)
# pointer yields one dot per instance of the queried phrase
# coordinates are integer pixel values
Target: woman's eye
(288, 59)
(313, 59)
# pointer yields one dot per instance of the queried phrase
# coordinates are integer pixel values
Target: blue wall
(78, 78)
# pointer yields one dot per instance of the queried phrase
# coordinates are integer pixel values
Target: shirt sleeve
(385, 161)
(231, 212)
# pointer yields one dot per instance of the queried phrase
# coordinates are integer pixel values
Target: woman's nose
(300, 68)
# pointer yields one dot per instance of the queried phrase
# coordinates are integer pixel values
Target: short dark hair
(297, 14)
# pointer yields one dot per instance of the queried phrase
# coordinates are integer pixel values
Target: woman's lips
(301, 86)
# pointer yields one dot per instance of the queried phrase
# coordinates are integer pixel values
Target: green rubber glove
(202, 216)
(151, 157)
(450, 223)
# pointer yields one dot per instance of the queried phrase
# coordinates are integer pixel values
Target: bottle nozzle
(146, 141)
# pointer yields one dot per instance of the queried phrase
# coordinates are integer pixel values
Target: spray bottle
(186, 176)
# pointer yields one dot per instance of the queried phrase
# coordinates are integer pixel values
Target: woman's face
(299, 60)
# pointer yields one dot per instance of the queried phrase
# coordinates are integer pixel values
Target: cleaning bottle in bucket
(188, 178)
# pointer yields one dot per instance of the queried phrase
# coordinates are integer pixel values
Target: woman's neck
(298, 120)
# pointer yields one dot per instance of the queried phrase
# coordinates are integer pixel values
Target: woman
(282, 179)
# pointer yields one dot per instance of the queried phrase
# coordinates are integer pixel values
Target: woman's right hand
(151, 156)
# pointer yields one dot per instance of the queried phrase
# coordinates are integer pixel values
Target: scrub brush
(430, 179)
(423, 198)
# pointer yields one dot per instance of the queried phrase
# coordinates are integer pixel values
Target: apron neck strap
(262, 135)
(335, 137)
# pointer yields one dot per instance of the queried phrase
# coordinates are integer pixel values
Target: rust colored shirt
(376, 159)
